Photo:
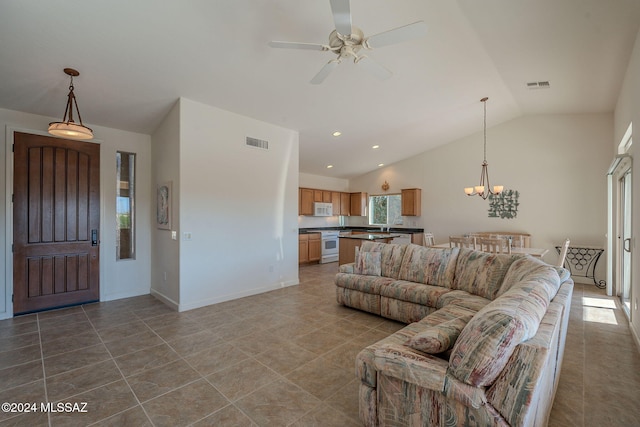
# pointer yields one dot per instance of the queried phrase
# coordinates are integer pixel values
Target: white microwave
(322, 209)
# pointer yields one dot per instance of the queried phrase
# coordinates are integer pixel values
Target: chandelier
(67, 128)
(484, 189)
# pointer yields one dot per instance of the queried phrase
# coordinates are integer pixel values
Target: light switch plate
(174, 235)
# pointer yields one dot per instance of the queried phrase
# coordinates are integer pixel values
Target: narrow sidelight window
(125, 205)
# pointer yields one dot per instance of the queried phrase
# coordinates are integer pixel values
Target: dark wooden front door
(56, 220)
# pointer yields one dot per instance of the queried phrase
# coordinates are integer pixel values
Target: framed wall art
(163, 206)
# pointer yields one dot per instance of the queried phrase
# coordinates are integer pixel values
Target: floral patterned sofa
(484, 340)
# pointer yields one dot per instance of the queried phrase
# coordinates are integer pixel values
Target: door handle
(94, 237)
(626, 244)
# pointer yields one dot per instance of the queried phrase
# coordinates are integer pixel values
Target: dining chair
(563, 253)
(429, 240)
(462, 242)
(517, 241)
(493, 245)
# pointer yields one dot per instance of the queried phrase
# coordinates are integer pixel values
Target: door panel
(56, 205)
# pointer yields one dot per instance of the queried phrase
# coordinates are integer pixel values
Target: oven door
(329, 249)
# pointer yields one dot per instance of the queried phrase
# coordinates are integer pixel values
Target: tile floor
(284, 358)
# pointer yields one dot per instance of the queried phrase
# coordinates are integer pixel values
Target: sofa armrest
(347, 268)
(414, 367)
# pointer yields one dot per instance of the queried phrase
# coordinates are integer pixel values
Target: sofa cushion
(533, 269)
(390, 256)
(486, 343)
(362, 283)
(414, 292)
(463, 299)
(368, 263)
(438, 338)
(481, 273)
(431, 266)
(450, 312)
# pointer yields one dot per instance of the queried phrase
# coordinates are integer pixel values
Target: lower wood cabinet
(309, 247)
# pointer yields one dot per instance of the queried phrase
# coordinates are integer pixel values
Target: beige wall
(238, 204)
(557, 163)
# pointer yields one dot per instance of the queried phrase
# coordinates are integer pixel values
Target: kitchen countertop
(371, 236)
(373, 230)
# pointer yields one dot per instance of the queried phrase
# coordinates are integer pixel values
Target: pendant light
(484, 189)
(67, 128)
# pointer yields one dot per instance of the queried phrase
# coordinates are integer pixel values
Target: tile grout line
(121, 374)
(44, 372)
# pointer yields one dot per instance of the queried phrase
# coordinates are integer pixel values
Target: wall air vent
(257, 143)
(538, 85)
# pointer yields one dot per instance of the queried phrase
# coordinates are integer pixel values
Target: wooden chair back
(429, 240)
(563, 253)
(493, 245)
(462, 242)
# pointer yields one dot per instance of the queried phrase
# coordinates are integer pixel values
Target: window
(125, 205)
(385, 210)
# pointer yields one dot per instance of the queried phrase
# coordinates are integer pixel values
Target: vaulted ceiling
(137, 57)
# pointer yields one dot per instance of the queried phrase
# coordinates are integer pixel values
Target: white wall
(557, 162)
(239, 203)
(628, 111)
(118, 279)
(165, 266)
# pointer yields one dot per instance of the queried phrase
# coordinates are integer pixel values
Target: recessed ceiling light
(375, 147)
(329, 166)
(337, 133)
(380, 164)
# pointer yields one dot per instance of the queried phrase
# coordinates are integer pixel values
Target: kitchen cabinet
(411, 201)
(303, 248)
(317, 195)
(305, 201)
(326, 196)
(358, 204)
(309, 247)
(335, 201)
(345, 204)
(315, 247)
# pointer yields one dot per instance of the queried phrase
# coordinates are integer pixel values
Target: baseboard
(635, 335)
(165, 299)
(229, 297)
(122, 295)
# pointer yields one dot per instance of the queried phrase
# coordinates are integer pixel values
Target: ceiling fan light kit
(346, 41)
(484, 189)
(67, 128)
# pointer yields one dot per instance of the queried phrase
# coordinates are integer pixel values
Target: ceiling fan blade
(397, 35)
(296, 45)
(373, 68)
(341, 16)
(324, 72)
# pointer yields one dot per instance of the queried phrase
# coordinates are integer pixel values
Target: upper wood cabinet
(335, 201)
(305, 201)
(411, 201)
(359, 204)
(345, 204)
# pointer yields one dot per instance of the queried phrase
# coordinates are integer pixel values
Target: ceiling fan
(346, 41)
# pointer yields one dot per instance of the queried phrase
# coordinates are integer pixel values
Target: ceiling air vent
(257, 143)
(538, 85)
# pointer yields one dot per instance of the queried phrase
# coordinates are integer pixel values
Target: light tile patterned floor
(281, 358)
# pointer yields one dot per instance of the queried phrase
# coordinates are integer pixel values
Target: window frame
(397, 201)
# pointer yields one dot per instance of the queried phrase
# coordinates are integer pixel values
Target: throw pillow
(368, 263)
(438, 338)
